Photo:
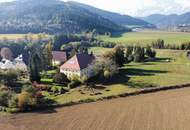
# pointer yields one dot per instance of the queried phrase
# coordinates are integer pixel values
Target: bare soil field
(166, 110)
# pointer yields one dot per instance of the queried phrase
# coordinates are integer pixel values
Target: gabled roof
(78, 62)
(59, 56)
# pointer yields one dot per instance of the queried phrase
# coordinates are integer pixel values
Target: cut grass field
(166, 110)
(146, 37)
(171, 68)
(16, 36)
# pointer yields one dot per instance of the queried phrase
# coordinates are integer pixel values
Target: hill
(178, 22)
(51, 16)
(114, 17)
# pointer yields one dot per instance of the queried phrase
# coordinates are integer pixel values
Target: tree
(150, 53)
(110, 55)
(119, 55)
(139, 54)
(158, 44)
(128, 52)
(105, 69)
(6, 53)
(35, 67)
(47, 55)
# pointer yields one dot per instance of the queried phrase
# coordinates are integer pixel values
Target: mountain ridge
(52, 16)
(114, 17)
(164, 21)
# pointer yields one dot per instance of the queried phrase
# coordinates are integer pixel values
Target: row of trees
(125, 54)
(160, 44)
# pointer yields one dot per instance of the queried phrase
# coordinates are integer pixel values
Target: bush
(139, 54)
(6, 98)
(8, 77)
(58, 89)
(60, 78)
(29, 88)
(73, 84)
(150, 53)
(26, 101)
(13, 102)
(3, 88)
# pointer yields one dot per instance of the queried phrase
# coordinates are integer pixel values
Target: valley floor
(166, 110)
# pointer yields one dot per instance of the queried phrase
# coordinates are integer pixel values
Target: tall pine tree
(35, 67)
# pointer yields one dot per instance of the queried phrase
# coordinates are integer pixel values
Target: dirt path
(169, 110)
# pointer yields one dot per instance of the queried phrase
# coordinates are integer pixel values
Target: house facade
(79, 65)
(58, 57)
(17, 63)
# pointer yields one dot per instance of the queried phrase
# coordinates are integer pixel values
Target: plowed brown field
(166, 110)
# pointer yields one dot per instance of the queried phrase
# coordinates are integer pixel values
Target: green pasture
(171, 68)
(146, 37)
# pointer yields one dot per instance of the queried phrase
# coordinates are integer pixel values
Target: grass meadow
(146, 37)
(17, 36)
(170, 68)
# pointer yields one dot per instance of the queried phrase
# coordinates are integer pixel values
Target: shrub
(58, 89)
(84, 79)
(60, 78)
(8, 77)
(29, 88)
(13, 102)
(73, 84)
(6, 98)
(3, 88)
(150, 53)
(26, 101)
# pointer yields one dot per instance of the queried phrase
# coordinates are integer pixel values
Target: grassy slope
(147, 37)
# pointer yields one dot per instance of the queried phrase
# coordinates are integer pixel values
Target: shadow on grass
(141, 85)
(120, 78)
(163, 59)
(141, 72)
(117, 35)
(124, 76)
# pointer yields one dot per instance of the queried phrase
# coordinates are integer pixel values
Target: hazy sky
(139, 7)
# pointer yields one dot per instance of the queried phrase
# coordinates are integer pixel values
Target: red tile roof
(59, 56)
(78, 62)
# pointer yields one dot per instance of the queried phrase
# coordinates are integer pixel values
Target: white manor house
(79, 65)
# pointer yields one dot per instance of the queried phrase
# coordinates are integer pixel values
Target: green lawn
(147, 37)
(172, 68)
